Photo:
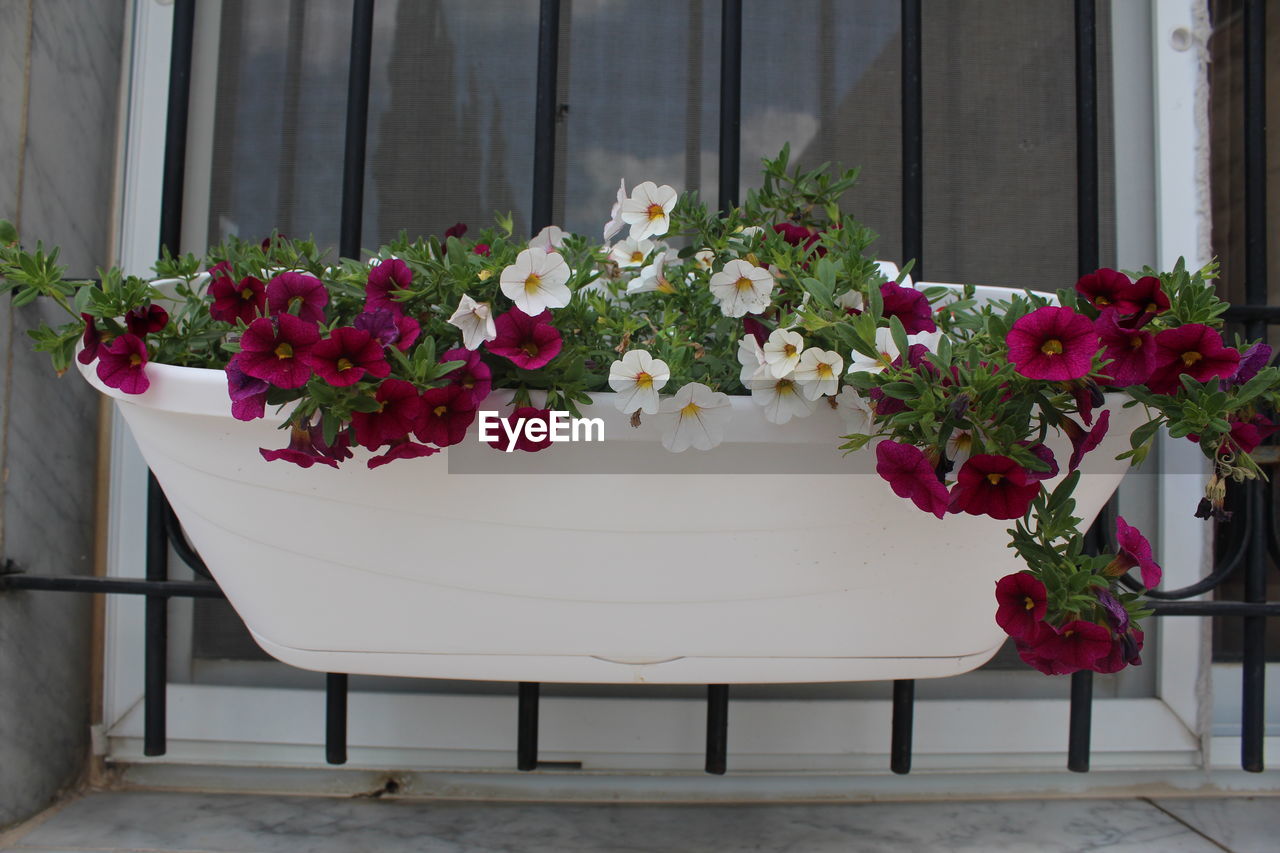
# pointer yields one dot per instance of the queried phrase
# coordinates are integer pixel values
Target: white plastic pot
(773, 558)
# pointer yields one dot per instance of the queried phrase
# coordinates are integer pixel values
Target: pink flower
(909, 305)
(122, 364)
(1104, 288)
(1022, 604)
(276, 348)
(400, 408)
(481, 249)
(523, 442)
(231, 302)
(446, 414)
(458, 229)
(402, 450)
(530, 342)
(1254, 359)
(346, 356)
(385, 279)
(1052, 343)
(1194, 350)
(473, 377)
(1125, 649)
(1135, 551)
(248, 393)
(1145, 297)
(993, 485)
(1132, 353)
(1247, 435)
(91, 341)
(910, 474)
(302, 450)
(299, 294)
(1045, 455)
(144, 321)
(1082, 442)
(1061, 651)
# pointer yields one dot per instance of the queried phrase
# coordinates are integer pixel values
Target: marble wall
(60, 67)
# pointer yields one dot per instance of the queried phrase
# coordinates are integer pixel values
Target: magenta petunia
(989, 484)
(1061, 651)
(756, 329)
(1045, 455)
(402, 450)
(1247, 435)
(1132, 352)
(248, 393)
(244, 301)
(1125, 650)
(457, 229)
(1022, 602)
(1252, 361)
(1083, 442)
(302, 450)
(1134, 552)
(481, 249)
(299, 294)
(523, 442)
(144, 321)
(276, 348)
(400, 408)
(346, 356)
(385, 278)
(1145, 298)
(1103, 288)
(409, 332)
(909, 305)
(529, 342)
(911, 475)
(446, 414)
(380, 324)
(1052, 343)
(122, 364)
(91, 342)
(1194, 350)
(474, 376)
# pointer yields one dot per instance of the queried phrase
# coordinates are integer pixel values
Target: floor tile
(1242, 824)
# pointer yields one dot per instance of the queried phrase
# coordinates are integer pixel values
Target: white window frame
(795, 747)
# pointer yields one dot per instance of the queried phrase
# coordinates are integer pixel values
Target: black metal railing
(1251, 549)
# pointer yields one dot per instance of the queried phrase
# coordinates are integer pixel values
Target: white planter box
(773, 558)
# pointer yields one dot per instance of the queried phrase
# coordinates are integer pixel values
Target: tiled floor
(167, 822)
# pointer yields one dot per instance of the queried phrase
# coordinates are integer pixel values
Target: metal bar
(287, 176)
(175, 129)
(353, 158)
(717, 728)
(1265, 314)
(1215, 608)
(1086, 137)
(527, 726)
(912, 140)
(545, 107)
(335, 718)
(114, 586)
(1253, 697)
(178, 539)
(156, 631)
(904, 701)
(1081, 724)
(730, 102)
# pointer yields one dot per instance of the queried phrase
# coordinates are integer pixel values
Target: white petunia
(548, 239)
(637, 378)
(694, 417)
(650, 277)
(751, 357)
(648, 210)
(854, 409)
(704, 258)
(630, 254)
(614, 225)
(849, 301)
(536, 281)
(782, 352)
(782, 400)
(475, 319)
(959, 446)
(741, 288)
(818, 373)
(888, 351)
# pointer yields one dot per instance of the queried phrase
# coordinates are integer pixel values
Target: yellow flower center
(439, 411)
(824, 370)
(644, 380)
(690, 410)
(637, 257)
(530, 349)
(665, 286)
(1101, 301)
(344, 364)
(135, 360)
(484, 275)
(994, 478)
(1030, 605)
(1053, 346)
(246, 294)
(655, 211)
(532, 283)
(785, 386)
(1190, 358)
(743, 283)
(1135, 342)
(284, 351)
(788, 350)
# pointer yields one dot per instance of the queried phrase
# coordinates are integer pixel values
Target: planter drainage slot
(1249, 540)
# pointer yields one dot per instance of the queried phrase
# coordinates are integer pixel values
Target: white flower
(648, 210)
(631, 253)
(614, 225)
(637, 378)
(782, 400)
(650, 277)
(548, 239)
(749, 232)
(854, 409)
(475, 319)
(742, 289)
(694, 417)
(751, 357)
(704, 259)
(782, 352)
(959, 446)
(888, 350)
(818, 372)
(536, 281)
(850, 300)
